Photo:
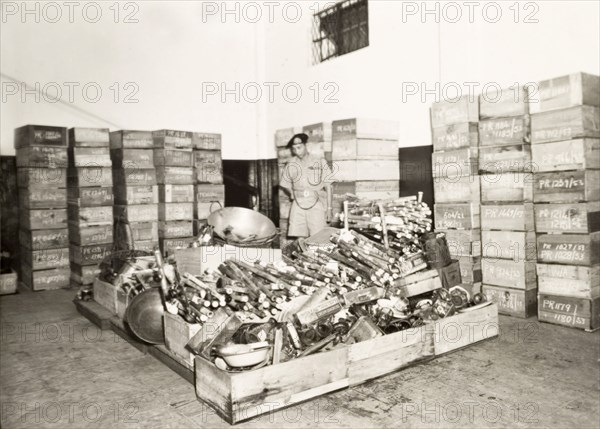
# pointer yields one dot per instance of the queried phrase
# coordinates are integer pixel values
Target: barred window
(340, 29)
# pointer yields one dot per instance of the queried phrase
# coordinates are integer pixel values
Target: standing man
(307, 180)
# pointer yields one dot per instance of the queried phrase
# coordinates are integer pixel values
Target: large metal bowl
(242, 227)
(144, 316)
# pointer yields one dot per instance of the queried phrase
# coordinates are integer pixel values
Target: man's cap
(303, 139)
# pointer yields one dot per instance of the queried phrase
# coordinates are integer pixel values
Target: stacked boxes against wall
(135, 190)
(90, 198)
(175, 178)
(209, 191)
(42, 180)
(456, 184)
(507, 221)
(365, 161)
(565, 134)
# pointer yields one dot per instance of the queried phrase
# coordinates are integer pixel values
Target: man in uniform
(307, 180)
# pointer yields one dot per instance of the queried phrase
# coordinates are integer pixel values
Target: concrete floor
(59, 370)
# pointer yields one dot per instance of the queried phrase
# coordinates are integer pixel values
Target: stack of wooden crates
(90, 199)
(456, 184)
(175, 179)
(507, 220)
(42, 180)
(209, 191)
(135, 190)
(565, 132)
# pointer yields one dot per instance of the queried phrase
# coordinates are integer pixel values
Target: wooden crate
(46, 258)
(502, 159)
(566, 186)
(567, 311)
(565, 124)
(320, 132)
(89, 157)
(567, 91)
(512, 302)
(577, 218)
(470, 269)
(92, 254)
(206, 193)
(175, 229)
(84, 274)
(137, 231)
(456, 190)
(175, 211)
(89, 137)
(40, 135)
(508, 217)
(8, 282)
(51, 198)
(508, 273)
(176, 193)
(463, 242)
(238, 396)
(44, 239)
(105, 294)
(507, 187)
(450, 275)
(131, 139)
(42, 156)
(419, 283)
(90, 197)
(178, 333)
(43, 219)
(88, 235)
(146, 245)
(352, 149)
(132, 159)
(90, 216)
(283, 135)
(365, 170)
(504, 131)
(498, 103)
(455, 163)
(206, 141)
(569, 249)
(455, 136)
(512, 245)
(172, 139)
(136, 212)
(569, 280)
(208, 172)
(55, 278)
(203, 210)
(168, 245)
(364, 128)
(173, 157)
(175, 175)
(456, 216)
(82, 177)
(41, 178)
(448, 112)
(578, 154)
(124, 177)
(144, 194)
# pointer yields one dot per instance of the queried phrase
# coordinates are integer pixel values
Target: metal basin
(242, 227)
(144, 316)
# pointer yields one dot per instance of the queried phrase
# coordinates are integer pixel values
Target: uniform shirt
(306, 178)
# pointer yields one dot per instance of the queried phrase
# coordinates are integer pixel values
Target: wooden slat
(364, 128)
(46, 258)
(33, 198)
(87, 235)
(567, 311)
(131, 139)
(508, 273)
(175, 175)
(44, 239)
(569, 280)
(173, 157)
(353, 149)
(90, 216)
(41, 178)
(175, 229)
(89, 157)
(91, 254)
(144, 194)
(498, 103)
(455, 163)
(565, 124)
(465, 109)
(507, 187)
(89, 137)
(511, 245)
(457, 216)
(568, 218)
(79, 177)
(504, 131)
(570, 249)
(175, 211)
(502, 159)
(365, 170)
(55, 278)
(172, 139)
(508, 217)
(43, 219)
(90, 197)
(457, 190)
(570, 90)
(176, 193)
(33, 135)
(137, 212)
(42, 156)
(455, 136)
(133, 177)
(578, 154)
(206, 141)
(132, 159)
(84, 274)
(567, 186)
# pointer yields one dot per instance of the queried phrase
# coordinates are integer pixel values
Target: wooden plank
(173, 157)
(498, 103)
(92, 234)
(208, 166)
(206, 141)
(175, 229)
(90, 216)
(178, 333)
(176, 193)
(457, 216)
(175, 211)
(510, 217)
(419, 283)
(131, 139)
(567, 311)
(207, 193)
(137, 231)
(94, 312)
(512, 302)
(283, 135)
(203, 210)
(455, 136)
(80, 177)
(455, 163)
(173, 362)
(504, 131)
(90, 197)
(364, 128)
(84, 274)
(457, 190)
(41, 178)
(565, 124)
(578, 154)
(89, 137)
(105, 294)
(568, 218)
(502, 159)
(136, 212)
(512, 245)
(566, 186)
(51, 198)
(169, 245)
(43, 219)
(143, 194)
(507, 187)
(46, 258)
(133, 177)
(172, 139)
(120, 328)
(570, 249)
(175, 175)
(508, 273)
(92, 254)
(132, 159)
(40, 135)
(567, 91)
(44, 239)
(89, 157)
(365, 170)
(55, 278)
(455, 111)
(463, 242)
(353, 149)
(320, 132)
(569, 280)
(42, 157)
(213, 387)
